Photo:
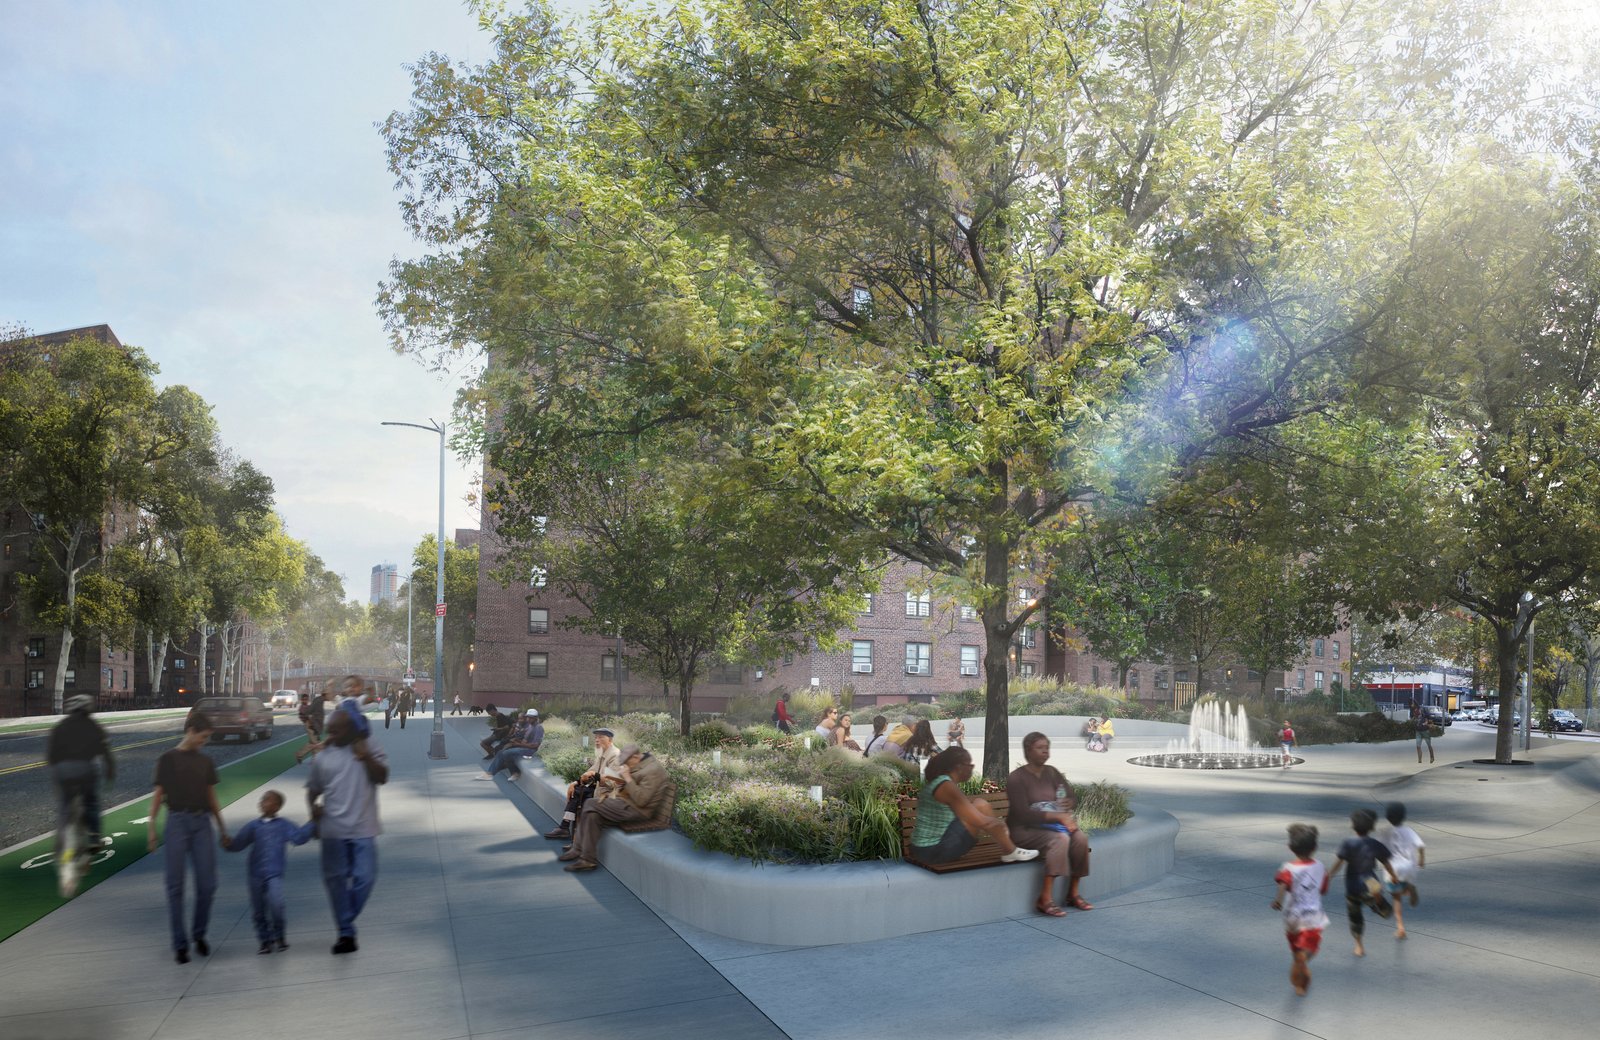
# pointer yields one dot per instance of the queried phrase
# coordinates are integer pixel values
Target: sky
(207, 179)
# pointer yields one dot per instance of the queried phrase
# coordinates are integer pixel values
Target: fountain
(1219, 738)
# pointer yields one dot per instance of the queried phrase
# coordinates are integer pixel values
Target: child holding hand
(268, 838)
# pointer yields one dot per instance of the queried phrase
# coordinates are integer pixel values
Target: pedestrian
(458, 705)
(186, 783)
(408, 704)
(71, 750)
(342, 792)
(1424, 730)
(525, 741)
(319, 711)
(268, 838)
(304, 714)
(389, 708)
(780, 714)
(1406, 855)
(956, 733)
(1359, 856)
(1286, 738)
(1302, 882)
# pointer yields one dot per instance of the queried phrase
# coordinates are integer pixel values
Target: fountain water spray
(1219, 738)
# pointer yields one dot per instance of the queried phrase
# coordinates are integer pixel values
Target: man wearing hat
(644, 782)
(525, 741)
(607, 768)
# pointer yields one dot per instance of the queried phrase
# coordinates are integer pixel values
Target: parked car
(1437, 715)
(247, 718)
(285, 699)
(1566, 721)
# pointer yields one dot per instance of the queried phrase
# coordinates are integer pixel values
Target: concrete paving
(474, 931)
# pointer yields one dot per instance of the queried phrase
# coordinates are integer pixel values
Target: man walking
(345, 776)
(186, 783)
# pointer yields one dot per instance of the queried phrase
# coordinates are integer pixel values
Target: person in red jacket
(780, 714)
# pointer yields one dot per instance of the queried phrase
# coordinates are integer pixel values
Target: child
(1287, 739)
(1362, 854)
(1305, 882)
(269, 835)
(1406, 855)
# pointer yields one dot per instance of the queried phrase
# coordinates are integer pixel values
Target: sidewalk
(473, 929)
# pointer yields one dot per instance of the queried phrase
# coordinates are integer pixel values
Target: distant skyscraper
(385, 584)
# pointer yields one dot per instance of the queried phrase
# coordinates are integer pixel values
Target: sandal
(1080, 903)
(1049, 910)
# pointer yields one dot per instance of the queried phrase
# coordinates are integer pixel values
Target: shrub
(1102, 805)
(765, 822)
(557, 729)
(710, 735)
(566, 760)
(762, 733)
(965, 703)
(745, 709)
(874, 824)
(807, 706)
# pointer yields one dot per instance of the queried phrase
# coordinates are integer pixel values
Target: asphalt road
(27, 803)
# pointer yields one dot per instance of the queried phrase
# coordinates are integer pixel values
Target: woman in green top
(949, 823)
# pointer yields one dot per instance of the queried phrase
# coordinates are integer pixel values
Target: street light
(1525, 605)
(436, 741)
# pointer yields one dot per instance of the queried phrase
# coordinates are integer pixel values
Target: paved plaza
(475, 931)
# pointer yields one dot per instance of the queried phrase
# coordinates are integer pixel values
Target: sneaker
(266, 947)
(484, 776)
(282, 945)
(1019, 856)
(182, 957)
(346, 944)
(202, 947)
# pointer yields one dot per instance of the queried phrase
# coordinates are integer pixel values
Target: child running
(1303, 881)
(1287, 739)
(1406, 856)
(267, 839)
(1361, 854)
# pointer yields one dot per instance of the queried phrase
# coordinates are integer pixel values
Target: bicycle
(72, 853)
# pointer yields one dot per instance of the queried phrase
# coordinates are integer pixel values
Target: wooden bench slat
(986, 853)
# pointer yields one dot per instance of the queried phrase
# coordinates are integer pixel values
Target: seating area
(986, 853)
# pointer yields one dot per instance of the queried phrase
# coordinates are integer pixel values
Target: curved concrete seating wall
(776, 904)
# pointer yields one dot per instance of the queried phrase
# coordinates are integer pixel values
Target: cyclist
(75, 742)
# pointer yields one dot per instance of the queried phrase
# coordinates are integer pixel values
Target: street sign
(411, 676)
(438, 610)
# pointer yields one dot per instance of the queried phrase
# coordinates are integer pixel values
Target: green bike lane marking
(28, 877)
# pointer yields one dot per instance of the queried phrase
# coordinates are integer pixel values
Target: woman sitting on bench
(949, 822)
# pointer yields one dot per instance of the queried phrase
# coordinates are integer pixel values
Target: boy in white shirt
(1407, 853)
(1302, 882)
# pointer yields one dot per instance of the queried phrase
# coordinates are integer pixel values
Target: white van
(285, 699)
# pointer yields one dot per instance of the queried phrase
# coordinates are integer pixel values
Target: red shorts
(1307, 939)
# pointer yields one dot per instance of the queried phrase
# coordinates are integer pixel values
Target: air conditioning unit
(861, 669)
(33, 686)
(969, 670)
(914, 670)
(32, 652)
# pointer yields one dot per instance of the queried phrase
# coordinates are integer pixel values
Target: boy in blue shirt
(268, 839)
(1359, 857)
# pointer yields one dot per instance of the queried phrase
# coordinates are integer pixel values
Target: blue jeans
(510, 758)
(266, 906)
(189, 837)
(349, 869)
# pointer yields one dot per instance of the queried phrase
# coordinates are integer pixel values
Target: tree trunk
(200, 658)
(997, 630)
(685, 693)
(59, 685)
(156, 660)
(1506, 645)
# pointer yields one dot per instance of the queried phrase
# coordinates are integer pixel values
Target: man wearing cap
(607, 767)
(525, 741)
(345, 776)
(644, 782)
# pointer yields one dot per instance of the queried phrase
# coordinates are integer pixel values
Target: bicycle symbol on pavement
(45, 859)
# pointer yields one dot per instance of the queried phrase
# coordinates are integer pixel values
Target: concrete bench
(776, 903)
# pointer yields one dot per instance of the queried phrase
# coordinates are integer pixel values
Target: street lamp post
(436, 740)
(1527, 677)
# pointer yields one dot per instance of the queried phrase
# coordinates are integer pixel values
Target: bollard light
(586, 740)
(716, 757)
(816, 793)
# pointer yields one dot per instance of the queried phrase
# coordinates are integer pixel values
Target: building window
(538, 621)
(861, 657)
(1336, 649)
(866, 604)
(1024, 594)
(969, 660)
(1182, 676)
(788, 659)
(1300, 680)
(1094, 675)
(177, 664)
(36, 646)
(124, 678)
(71, 678)
(1027, 638)
(1252, 675)
(538, 666)
(35, 678)
(8, 550)
(1133, 678)
(919, 658)
(725, 674)
(917, 604)
(969, 613)
(537, 577)
(1317, 646)
(1161, 680)
(1317, 680)
(1025, 670)
(608, 666)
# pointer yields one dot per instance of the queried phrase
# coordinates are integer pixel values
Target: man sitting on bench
(644, 783)
(525, 741)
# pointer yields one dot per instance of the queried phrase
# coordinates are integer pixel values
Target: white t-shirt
(1403, 844)
(1302, 902)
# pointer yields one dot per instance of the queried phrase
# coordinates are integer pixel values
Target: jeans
(77, 776)
(266, 906)
(189, 837)
(349, 869)
(510, 758)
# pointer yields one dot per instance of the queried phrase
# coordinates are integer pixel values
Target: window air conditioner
(861, 669)
(32, 652)
(33, 686)
(969, 670)
(912, 669)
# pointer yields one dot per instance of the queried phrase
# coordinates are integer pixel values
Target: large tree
(81, 428)
(945, 268)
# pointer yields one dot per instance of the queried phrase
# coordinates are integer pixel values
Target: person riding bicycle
(74, 743)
